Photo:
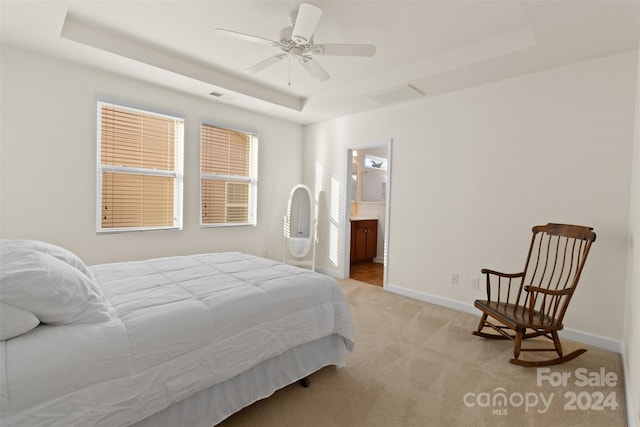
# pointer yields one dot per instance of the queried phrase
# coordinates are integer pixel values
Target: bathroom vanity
(364, 239)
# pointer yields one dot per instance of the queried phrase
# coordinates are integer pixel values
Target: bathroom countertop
(363, 217)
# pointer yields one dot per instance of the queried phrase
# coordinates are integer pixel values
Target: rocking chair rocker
(533, 303)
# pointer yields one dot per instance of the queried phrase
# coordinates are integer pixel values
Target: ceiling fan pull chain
(289, 70)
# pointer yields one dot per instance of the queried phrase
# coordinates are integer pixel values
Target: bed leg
(304, 382)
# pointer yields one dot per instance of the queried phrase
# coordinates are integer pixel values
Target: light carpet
(417, 364)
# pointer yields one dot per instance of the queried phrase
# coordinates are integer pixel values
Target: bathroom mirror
(298, 221)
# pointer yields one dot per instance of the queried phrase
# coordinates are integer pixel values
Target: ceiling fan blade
(315, 69)
(344, 49)
(246, 37)
(306, 22)
(266, 63)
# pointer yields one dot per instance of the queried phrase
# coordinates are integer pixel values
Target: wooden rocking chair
(533, 303)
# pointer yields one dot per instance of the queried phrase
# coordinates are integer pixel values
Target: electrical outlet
(454, 279)
(475, 282)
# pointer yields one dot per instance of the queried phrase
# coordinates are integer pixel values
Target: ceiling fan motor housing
(287, 41)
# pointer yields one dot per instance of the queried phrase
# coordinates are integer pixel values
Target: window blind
(140, 169)
(228, 165)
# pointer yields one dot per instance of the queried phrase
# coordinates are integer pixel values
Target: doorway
(368, 174)
(370, 272)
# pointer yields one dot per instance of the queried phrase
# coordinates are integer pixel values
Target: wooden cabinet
(364, 240)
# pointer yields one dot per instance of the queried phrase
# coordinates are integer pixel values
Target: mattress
(178, 325)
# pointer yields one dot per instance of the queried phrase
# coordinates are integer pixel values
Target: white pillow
(48, 248)
(15, 321)
(54, 291)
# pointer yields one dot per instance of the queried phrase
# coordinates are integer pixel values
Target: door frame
(346, 249)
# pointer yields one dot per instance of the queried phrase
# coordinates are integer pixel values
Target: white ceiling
(434, 46)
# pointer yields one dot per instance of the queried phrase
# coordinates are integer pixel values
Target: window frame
(252, 179)
(177, 173)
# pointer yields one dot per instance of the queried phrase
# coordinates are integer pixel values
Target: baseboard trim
(445, 302)
(328, 272)
(571, 334)
(591, 339)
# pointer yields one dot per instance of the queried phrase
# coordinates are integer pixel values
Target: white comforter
(179, 325)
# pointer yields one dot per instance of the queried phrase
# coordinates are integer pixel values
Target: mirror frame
(287, 229)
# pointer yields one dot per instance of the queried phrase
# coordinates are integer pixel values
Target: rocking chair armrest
(497, 273)
(535, 289)
(497, 283)
(533, 292)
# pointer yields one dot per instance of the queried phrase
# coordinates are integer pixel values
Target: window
(139, 170)
(228, 176)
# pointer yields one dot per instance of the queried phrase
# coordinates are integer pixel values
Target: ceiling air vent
(396, 95)
(223, 96)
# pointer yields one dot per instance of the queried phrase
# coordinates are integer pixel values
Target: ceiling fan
(296, 43)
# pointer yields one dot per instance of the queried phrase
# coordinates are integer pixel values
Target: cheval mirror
(299, 228)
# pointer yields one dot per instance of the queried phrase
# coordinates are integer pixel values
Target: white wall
(474, 170)
(48, 163)
(632, 318)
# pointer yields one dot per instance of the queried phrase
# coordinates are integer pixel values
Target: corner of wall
(631, 336)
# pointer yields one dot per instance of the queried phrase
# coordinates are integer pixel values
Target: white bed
(179, 341)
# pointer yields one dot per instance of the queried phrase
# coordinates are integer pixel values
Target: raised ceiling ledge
(92, 34)
(485, 49)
